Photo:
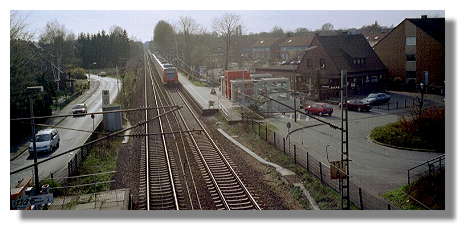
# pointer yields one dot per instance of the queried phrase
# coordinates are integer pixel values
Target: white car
(79, 110)
(46, 141)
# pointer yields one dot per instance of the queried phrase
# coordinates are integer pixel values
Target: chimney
(424, 17)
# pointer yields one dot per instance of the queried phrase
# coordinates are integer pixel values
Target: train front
(171, 76)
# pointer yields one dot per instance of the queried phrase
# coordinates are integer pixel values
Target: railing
(430, 167)
(308, 160)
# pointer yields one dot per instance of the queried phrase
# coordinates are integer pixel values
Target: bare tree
(188, 27)
(18, 27)
(226, 27)
(327, 27)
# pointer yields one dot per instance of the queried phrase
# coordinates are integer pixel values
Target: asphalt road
(68, 138)
(374, 167)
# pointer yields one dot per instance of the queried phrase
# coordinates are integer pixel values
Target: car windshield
(42, 138)
(372, 96)
(79, 106)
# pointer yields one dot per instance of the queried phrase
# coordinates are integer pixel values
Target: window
(359, 61)
(410, 74)
(411, 57)
(411, 41)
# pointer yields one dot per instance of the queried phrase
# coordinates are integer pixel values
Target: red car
(358, 105)
(319, 109)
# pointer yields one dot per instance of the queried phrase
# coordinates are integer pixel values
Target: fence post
(52, 176)
(266, 132)
(295, 155)
(307, 163)
(388, 106)
(405, 103)
(388, 207)
(284, 144)
(408, 177)
(397, 104)
(321, 173)
(360, 199)
(274, 138)
(259, 129)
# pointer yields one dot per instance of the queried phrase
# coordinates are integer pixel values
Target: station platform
(202, 96)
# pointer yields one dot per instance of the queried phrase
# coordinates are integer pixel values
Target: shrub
(417, 131)
(77, 73)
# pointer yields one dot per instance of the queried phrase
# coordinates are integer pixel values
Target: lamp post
(31, 90)
(421, 101)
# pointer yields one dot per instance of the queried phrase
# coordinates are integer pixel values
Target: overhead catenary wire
(95, 141)
(91, 113)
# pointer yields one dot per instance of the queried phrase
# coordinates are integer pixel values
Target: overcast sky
(140, 24)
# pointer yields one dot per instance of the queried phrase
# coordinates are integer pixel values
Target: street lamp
(31, 90)
(421, 103)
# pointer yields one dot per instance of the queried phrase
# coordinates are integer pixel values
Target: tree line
(57, 54)
(193, 44)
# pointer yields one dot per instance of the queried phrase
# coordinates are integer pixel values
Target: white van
(46, 141)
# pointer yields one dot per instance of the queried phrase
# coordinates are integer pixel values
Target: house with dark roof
(291, 48)
(266, 49)
(414, 53)
(318, 74)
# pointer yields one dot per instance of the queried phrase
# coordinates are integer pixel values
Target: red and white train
(167, 72)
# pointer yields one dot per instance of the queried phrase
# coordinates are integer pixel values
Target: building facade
(414, 52)
(318, 74)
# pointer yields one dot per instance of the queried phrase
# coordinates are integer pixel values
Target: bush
(426, 131)
(77, 73)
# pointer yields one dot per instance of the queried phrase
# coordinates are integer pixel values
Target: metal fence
(74, 163)
(429, 167)
(398, 104)
(308, 160)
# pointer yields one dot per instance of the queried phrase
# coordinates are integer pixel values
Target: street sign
(28, 201)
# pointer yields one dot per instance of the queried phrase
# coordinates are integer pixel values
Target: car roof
(45, 131)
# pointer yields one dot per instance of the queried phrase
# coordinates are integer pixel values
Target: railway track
(184, 168)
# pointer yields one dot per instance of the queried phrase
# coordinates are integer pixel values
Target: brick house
(414, 52)
(290, 47)
(318, 74)
(266, 49)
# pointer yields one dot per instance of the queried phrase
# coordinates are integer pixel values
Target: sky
(140, 24)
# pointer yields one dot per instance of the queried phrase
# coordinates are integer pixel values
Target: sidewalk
(56, 121)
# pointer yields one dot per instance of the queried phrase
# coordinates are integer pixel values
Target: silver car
(79, 110)
(46, 141)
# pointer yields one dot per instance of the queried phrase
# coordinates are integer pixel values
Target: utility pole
(33, 130)
(295, 100)
(117, 77)
(344, 181)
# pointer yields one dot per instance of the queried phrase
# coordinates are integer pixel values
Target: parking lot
(377, 168)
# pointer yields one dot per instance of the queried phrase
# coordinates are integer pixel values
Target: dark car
(358, 105)
(377, 98)
(319, 109)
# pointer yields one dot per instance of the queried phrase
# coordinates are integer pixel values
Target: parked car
(79, 110)
(319, 109)
(358, 105)
(377, 98)
(46, 141)
(102, 74)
